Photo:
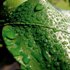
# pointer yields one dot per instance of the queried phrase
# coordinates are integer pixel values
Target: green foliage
(32, 41)
(12, 4)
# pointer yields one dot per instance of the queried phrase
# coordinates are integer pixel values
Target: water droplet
(9, 32)
(25, 58)
(8, 42)
(28, 67)
(38, 7)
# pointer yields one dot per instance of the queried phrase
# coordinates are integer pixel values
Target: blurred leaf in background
(62, 4)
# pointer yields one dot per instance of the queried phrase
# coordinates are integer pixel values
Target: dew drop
(38, 7)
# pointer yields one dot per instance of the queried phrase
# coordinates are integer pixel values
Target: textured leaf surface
(40, 36)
